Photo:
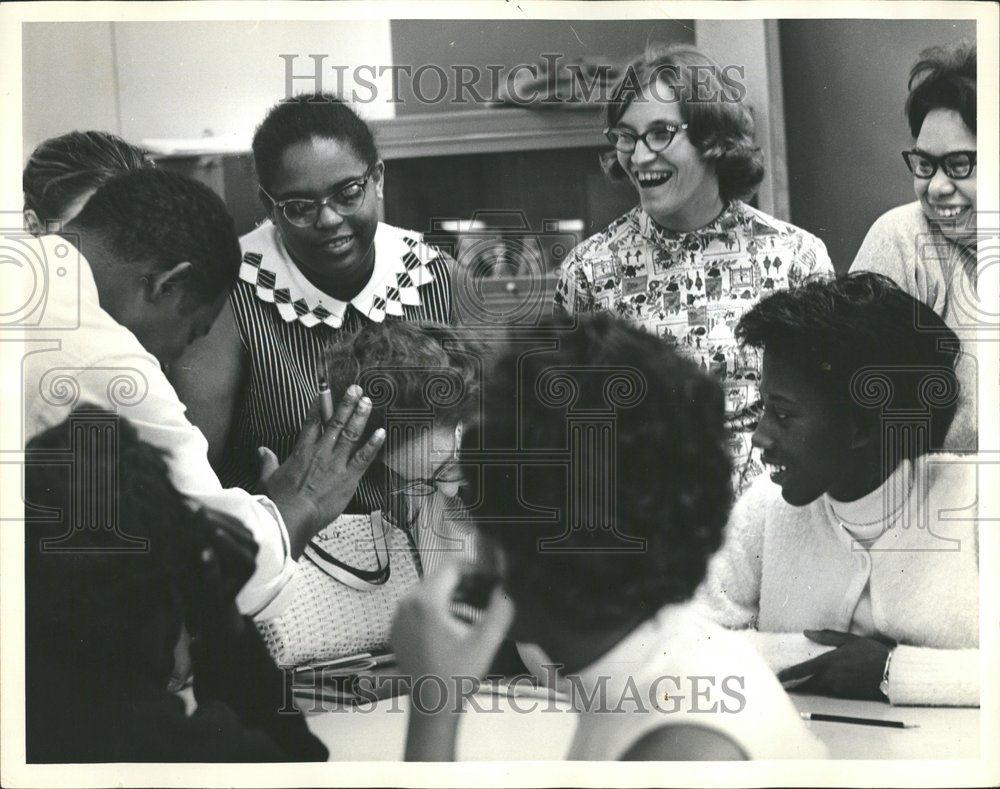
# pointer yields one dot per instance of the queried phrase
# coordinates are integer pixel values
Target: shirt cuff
(268, 591)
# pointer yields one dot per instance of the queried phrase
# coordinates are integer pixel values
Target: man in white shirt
(138, 275)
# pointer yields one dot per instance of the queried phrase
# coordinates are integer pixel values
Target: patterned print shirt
(692, 288)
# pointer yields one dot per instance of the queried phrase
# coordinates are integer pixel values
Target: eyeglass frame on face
(430, 486)
(939, 162)
(319, 205)
(613, 132)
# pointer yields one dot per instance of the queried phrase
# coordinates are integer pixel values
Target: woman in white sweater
(859, 539)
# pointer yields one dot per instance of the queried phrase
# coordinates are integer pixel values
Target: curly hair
(155, 215)
(301, 119)
(63, 168)
(665, 477)
(862, 326)
(721, 127)
(410, 370)
(943, 78)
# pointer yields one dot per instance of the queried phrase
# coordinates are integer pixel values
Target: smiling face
(804, 437)
(948, 203)
(676, 187)
(335, 250)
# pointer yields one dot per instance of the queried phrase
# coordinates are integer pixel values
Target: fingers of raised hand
(498, 617)
(268, 463)
(352, 430)
(365, 456)
(311, 427)
(347, 405)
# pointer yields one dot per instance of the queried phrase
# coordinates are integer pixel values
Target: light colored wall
(845, 85)
(753, 45)
(68, 79)
(179, 79)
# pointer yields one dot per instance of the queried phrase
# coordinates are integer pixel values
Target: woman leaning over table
(424, 382)
(692, 257)
(928, 247)
(321, 267)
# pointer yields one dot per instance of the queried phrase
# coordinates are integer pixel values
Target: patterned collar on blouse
(735, 215)
(401, 269)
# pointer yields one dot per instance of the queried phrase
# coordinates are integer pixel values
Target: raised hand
(314, 485)
(428, 640)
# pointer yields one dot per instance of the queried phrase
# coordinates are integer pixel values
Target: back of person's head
(865, 345)
(720, 124)
(155, 216)
(620, 487)
(409, 370)
(302, 118)
(943, 78)
(100, 601)
(63, 170)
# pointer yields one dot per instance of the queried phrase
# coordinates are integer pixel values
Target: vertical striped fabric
(285, 360)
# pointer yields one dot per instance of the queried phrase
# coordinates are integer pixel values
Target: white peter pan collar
(401, 268)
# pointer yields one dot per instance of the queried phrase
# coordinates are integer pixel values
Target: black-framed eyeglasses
(449, 473)
(345, 201)
(656, 139)
(957, 165)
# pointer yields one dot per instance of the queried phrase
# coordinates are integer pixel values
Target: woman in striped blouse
(320, 268)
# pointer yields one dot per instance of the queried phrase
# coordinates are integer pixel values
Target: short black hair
(866, 344)
(943, 78)
(721, 128)
(167, 218)
(302, 118)
(666, 480)
(62, 168)
(114, 609)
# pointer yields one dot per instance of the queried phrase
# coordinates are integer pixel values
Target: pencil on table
(819, 716)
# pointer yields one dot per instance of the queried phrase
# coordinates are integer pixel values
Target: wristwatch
(883, 686)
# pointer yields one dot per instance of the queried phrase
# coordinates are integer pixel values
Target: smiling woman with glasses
(692, 256)
(928, 247)
(321, 267)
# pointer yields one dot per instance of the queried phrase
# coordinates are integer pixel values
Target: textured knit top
(909, 249)
(692, 288)
(285, 324)
(785, 569)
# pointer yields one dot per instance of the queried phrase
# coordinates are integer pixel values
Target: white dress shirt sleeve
(88, 358)
(160, 420)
